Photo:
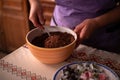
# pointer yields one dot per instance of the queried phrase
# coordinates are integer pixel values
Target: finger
(41, 18)
(35, 21)
(84, 34)
(78, 28)
(32, 18)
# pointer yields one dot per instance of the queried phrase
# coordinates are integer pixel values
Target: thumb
(41, 16)
(41, 19)
(78, 28)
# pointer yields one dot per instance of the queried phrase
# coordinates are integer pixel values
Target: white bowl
(111, 74)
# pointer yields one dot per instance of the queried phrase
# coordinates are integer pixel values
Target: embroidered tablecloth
(22, 65)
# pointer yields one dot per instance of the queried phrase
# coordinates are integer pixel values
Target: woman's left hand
(86, 28)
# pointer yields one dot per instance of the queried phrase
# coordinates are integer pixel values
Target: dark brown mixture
(57, 39)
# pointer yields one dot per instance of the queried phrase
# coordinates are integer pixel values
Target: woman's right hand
(36, 13)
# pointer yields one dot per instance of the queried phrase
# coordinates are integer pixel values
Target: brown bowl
(50, 55)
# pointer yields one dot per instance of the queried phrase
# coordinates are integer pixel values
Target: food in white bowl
(85, 71)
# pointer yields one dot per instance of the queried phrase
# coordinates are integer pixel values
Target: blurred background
(14, 22)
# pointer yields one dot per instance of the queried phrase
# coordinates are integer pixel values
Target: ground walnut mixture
(55, 40)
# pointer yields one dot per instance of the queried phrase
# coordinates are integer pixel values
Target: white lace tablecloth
(22, 65)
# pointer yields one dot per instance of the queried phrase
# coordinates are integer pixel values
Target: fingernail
(42, 22)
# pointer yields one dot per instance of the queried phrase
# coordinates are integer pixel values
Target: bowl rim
(51, 48)
(72, 63)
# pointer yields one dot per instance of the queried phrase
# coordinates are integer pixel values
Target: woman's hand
(36, 14)
(86, 28)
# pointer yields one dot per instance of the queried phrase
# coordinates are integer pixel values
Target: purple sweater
(69, 13)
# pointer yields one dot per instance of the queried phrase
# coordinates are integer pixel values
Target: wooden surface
(14, 24)
(2, 38)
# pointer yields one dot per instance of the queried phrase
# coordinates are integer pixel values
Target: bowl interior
(37, 32)
(112, 75)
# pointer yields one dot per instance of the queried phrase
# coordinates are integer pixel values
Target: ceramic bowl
(50, 55)
(108, 71)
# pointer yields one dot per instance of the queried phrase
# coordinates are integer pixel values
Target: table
(22, 65)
